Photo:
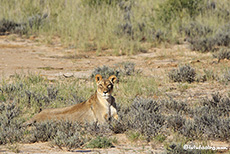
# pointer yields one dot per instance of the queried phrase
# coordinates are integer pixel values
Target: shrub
(52, 93)
(203, 44)
(145, 117)
(67, 134)
(212, 126)
(184, 73)
(100, 142)
(170, 9)
(189, 129)
(195, 30)
(218, 105)
(34, 21)
(222, 54)
(70, 140)
(209, 43)
(10, 127)
(199, 36)
(105, 72)
(60, 133)
(12, 27)
(223, 35)
(97, 130)
(175, 122)
(121, 69)
(210, 120)
(172, 106)
(126, 68)
(126, 27)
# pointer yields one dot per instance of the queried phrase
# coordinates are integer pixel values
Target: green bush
(100, 142)
(169, 10)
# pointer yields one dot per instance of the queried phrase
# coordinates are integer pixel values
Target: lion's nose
(105, 92)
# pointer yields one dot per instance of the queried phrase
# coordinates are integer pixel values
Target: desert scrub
(195, 29)
(212, 126)
(175, 122)
(217, 104)
(222, 54)
(120, 70)
(105, 72)
(199, 35)
(10, 126)
(211, 40)
(203, 44)
(210, 119)
(145, 117)
(100, 142)
(68, 134)
(184, 73)
(126, 68)
(172, 106)
(223, 35)
(12, 27)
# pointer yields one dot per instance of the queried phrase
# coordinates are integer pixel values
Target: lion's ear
(98, 77)
(112, 78)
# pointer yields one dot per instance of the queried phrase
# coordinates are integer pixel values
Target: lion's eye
(100, 85)
(109, 86)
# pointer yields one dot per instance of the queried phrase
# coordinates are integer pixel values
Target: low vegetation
(140, 118)
(184, 73)
(149, 118)
(222, 54)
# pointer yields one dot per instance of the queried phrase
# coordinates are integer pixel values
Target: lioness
(100, 107)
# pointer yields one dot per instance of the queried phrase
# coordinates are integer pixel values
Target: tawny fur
(98, 108)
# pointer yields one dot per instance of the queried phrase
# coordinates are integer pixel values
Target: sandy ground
(19, 55)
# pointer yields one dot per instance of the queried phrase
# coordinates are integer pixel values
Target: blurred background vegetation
(123, 26)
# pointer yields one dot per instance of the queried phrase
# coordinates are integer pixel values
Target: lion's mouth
(106, 96)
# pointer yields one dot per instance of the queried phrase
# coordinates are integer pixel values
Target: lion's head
(105, 86)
